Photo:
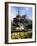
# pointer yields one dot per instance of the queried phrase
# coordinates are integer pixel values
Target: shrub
(21, 35)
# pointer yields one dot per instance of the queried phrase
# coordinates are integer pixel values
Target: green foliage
(24, 22)
(21, 35)
(13, 26)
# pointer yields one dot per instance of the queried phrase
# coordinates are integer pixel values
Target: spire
(18, 11)
(18, 15)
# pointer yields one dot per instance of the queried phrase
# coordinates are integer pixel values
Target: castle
(19, 20)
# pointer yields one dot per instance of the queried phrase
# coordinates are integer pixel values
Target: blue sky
(22, 10)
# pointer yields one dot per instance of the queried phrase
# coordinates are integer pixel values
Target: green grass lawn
(21, 35)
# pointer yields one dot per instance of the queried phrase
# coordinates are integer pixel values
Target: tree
(22, 20)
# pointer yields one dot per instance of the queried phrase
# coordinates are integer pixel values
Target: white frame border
(9, 21)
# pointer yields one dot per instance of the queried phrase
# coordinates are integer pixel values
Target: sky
(22, 11)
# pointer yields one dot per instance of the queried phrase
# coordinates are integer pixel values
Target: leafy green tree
(26, 22)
